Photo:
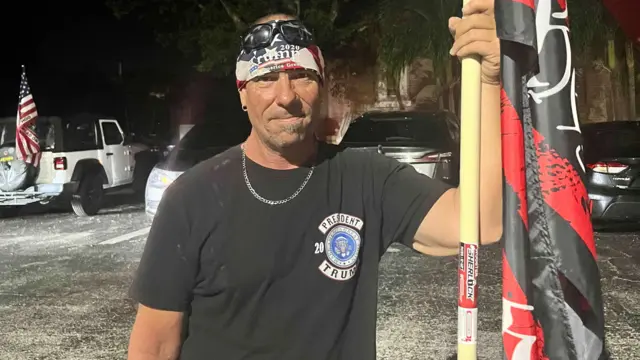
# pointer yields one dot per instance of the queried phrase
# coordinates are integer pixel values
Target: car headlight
(159, 178)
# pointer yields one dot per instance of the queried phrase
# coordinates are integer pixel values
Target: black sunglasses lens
(262, 33)
(259, 36)
(295, 34)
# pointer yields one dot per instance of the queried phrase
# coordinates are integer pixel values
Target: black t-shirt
(292, 281)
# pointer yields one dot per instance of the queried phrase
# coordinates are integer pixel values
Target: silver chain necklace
(267, 201)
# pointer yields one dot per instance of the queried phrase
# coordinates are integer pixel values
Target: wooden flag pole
(469, 207)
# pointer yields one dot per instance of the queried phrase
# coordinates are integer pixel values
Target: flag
(552, 299)
(27, 143)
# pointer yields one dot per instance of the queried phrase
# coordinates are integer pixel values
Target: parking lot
(64, 282)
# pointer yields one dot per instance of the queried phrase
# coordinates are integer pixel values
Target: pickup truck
(82, 157)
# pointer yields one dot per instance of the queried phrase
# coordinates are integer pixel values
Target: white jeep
(82, 156)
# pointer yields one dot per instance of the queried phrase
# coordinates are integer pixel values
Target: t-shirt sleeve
(406, 196)
(166, 274)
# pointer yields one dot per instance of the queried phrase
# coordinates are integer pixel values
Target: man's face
(282, 106)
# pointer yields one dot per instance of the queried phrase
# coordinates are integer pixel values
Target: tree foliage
(591, 26)
(392, 33)
(412, 29)
(209, 31)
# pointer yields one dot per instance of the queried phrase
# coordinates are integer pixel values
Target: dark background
(73, 53)
(69, 49)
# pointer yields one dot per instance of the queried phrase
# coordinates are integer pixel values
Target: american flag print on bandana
(279, 56)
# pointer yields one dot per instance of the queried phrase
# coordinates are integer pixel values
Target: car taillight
(433, 158)
(60, 163)
(607, 167)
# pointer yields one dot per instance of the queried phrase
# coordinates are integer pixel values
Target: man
(271, 249)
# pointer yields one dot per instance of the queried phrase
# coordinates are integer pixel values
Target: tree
(591, 28)
(357, 35)
(594, 35)
(413, 29)
(209, 31)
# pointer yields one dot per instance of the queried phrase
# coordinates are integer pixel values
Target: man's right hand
(156, 335)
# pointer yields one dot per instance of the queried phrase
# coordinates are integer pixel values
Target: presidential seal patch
(341, 245)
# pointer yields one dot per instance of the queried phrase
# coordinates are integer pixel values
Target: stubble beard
(288, 135)
(294, 129)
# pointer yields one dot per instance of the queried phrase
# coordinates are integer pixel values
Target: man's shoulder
(220, 162)
(217, 164)
(213, 170)
(344, 153)
(356, 158)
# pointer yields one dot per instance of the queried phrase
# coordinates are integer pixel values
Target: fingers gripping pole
(469, 207)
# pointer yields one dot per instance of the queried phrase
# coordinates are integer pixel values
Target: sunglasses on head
(261, 35)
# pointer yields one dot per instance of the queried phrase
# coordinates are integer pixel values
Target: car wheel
(87, 201)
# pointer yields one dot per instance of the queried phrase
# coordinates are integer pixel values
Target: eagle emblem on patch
(342, 245)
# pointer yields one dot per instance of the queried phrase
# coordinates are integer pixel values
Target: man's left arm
(439, 232)
(424, 213)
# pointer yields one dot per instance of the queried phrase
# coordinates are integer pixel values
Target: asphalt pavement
(64, 282)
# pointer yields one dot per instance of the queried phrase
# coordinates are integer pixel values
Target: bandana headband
(278, 56)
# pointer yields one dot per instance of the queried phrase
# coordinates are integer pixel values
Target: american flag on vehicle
(27, 144)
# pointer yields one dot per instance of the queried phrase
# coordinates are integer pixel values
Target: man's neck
(290, 158)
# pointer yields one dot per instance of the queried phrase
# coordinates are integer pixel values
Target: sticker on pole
(467, 325)
(468, 276)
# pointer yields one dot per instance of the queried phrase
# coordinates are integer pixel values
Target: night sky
(71, 52)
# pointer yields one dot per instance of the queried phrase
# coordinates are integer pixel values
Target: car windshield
(619, 142)
(428, 130)
(203, 136)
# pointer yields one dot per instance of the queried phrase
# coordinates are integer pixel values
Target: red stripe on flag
(513, 139)
(523, 337)
(28, 113)
(529, 3)
(26, 100)
(21, 147)
(26, 104)
(564, 191)
(33, 146)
